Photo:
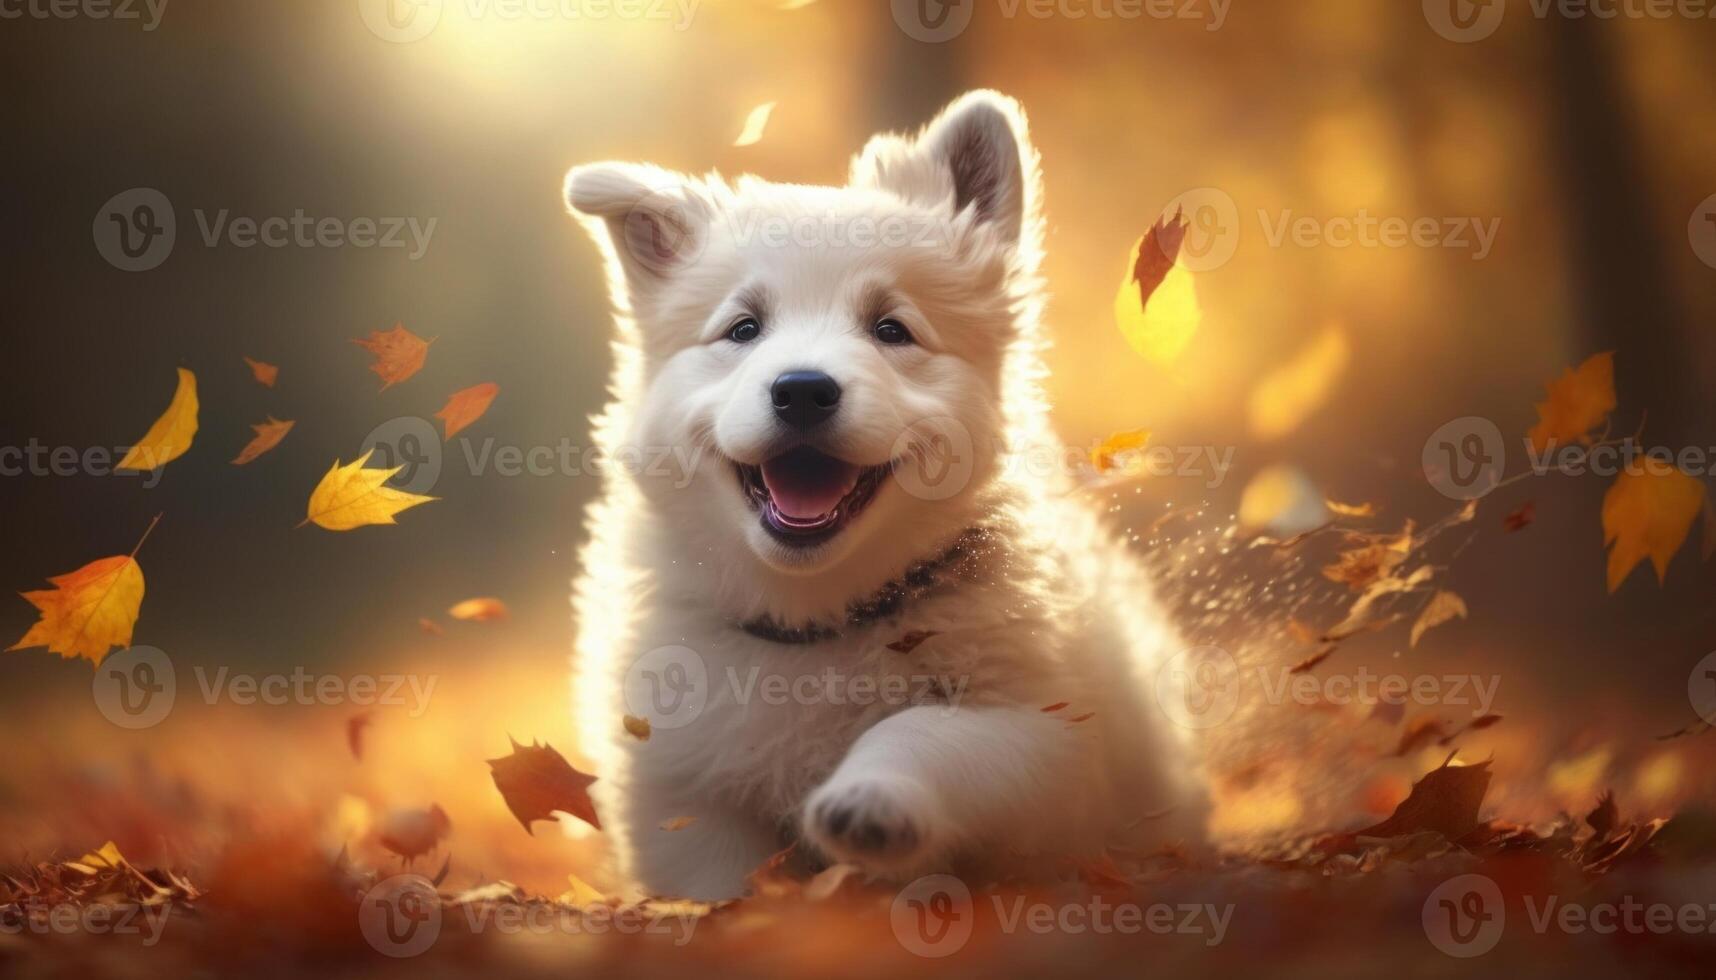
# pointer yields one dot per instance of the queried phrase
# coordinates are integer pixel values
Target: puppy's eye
(744, 331)
(892, 332)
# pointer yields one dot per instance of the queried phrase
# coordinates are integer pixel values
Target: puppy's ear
(975, 154)
(652, 222)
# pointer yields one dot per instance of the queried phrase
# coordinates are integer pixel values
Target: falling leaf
(1156, 307)
(1419, 732)
(1313, 660)
(1520, 519)
(1477, 724)
(1446, 801)
(1442, 607)
(1376, 557)
(1058, 705)
(484, 609)
(429, 626)
(1102, 457)
(466, 406)
(1084, 717)
(535, 781)
(1301, 632)
(351, 496)
(412, 833)
(1603, 819)
(268, 435)
(399, 353)
(90, 611)
(1288, 395)
(673, 824)
(1648, 513)
(171, 435)
(1350, 510)
(1578, 402)
(754, 124)
(912, 640)
(581, 894)
(636, 727)
(356, 725)
(265, 374)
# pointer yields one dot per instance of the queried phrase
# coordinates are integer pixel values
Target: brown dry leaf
(1603, 819)
(1376, 557)
(90, 611)
(1084, 717)
(484, 609)
(1313, 660)
(672, 824)
(399, 353)
(1157, 251)
(466, 406)
(1445, 801)
(1477, 724)
(1052, 708)
(1156, 306)
(1648, 513)
(1102, 457)
(1350, 510)
(265, 374)
(1579, 401)
(356, 725)
(1520, 519)
(636, 727)
(1443, 606)
(535, 781)
(912, 640)
(268, 435)
(412, 833)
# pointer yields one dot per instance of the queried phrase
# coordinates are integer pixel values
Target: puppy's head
(834, 356)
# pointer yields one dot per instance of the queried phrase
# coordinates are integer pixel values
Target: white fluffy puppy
(850, 608)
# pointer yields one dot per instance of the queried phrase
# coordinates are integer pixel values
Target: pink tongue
(805, 488)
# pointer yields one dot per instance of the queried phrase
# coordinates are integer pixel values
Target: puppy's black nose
(804, 398)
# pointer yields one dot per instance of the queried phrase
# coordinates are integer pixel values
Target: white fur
(1059, 611)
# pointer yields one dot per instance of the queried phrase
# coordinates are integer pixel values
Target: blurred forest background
(1592, 142)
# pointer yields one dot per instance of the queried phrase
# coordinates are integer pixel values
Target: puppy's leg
(708, 859)
(929, 782)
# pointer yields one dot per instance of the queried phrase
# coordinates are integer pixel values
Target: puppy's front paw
(882, 824)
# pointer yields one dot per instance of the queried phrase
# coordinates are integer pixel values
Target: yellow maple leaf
(1648, 513)
(1578, 402)
(90, 611)
(171, 434)
(1289, 394)
(1443, 606)
(268, 435)
(1102, 457)
(350, 496)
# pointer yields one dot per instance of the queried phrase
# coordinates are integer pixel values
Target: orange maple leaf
(1648, 513)
(268, 435)
(535, 781)
(264, 373)
(466, 406)
(399, 353)
(90, 611)
(1578, 402)
(484, 609)
(1103, 456)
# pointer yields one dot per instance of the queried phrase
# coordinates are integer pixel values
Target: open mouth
(805, 496)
